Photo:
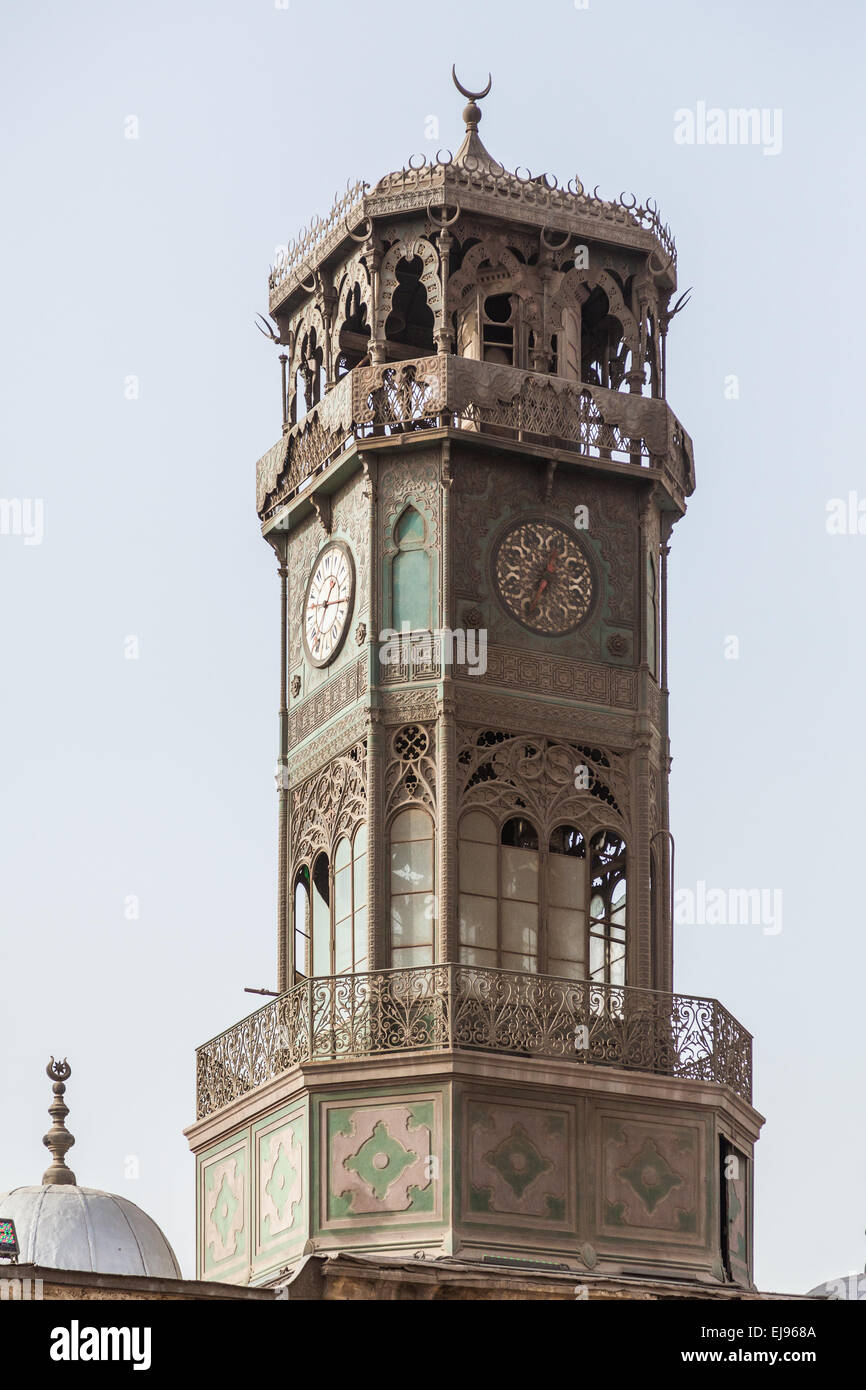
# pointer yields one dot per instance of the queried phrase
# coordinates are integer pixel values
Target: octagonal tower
(475, 1053)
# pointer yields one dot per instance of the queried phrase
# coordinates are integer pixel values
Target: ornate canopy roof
(472, 180)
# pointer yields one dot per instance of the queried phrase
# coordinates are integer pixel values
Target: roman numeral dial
(328, 604)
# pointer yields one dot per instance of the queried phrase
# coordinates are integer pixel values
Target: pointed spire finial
(58, 1139)
(472, 113)
(472, 155)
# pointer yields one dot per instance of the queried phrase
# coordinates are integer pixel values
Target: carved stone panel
(652, 1179)
(410, 769)
(336, 694)
(488, 495)
(518, 1164)
(279, 1149)
(329, 805)
(381, 1159)
(508, 773)
(224, 1217)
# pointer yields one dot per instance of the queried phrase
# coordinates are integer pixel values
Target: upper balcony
(460, 1008)
(492, 401)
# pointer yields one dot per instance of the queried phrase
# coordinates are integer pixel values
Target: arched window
(350, 904)
(339, 910)
(603, 349)
(302, 922)
(359, 899)
(559, 907)
(499, 893)
(321, 916)
(518, 886)
(411, 598)
(607, 909)
(566, 903)
(413, 914)
(479, 890)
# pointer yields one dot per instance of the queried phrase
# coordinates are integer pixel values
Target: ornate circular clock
(543, 576)
(328, 603)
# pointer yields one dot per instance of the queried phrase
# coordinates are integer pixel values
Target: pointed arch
(411, 573)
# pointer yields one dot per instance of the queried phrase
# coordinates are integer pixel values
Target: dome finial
(472, 113)
(58, 1139)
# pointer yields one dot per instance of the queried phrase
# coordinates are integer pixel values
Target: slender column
(378, 935)
(639, 961)
(443, 334)
(283, 363)
(286, 943)
(447, 740)
(665, 968)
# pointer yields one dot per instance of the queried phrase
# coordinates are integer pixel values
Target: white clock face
(328, 604)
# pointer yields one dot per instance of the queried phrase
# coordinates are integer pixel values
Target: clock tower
(475, 1055)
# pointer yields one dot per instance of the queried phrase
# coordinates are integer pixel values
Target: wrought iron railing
(485, 398)
(460, 1007)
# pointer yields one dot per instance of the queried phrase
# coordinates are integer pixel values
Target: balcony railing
(442, 1008)
(460, 393)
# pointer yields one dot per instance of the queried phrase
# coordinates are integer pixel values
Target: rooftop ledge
(447, 1008)
(481, 398)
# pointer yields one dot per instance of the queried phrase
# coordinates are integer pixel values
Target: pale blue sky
(154, 777)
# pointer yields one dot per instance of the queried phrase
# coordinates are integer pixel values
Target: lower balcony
(457, 1008)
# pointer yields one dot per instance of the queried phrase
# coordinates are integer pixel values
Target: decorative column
(378, 943)
(283, 363)
(666, 880)
(446, 789)
(374, 263)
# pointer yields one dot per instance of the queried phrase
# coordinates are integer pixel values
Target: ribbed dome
(62, 1226)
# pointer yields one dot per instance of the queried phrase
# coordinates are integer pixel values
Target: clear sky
(145, 786)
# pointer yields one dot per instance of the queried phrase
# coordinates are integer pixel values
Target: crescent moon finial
(471, 96)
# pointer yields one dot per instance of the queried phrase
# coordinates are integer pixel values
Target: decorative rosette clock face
(328, 604)
(543, 576)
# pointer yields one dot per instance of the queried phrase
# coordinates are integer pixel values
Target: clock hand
(544, 582)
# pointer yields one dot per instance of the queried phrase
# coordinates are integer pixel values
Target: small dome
(62, 1226)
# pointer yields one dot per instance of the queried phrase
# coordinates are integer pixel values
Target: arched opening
(354, 337)
(604, 354)
(411, 321)
(321, 894)
(309, 383)
(301, 923)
